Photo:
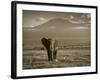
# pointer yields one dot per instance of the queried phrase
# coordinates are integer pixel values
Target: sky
(34, 18)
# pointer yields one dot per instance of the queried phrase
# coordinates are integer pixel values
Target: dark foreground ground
(37, 59)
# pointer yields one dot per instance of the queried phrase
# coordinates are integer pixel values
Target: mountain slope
(57, 28)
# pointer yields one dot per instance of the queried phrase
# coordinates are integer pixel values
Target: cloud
(75, 21)
(81, 27)
(42, 19)
(72, 17)
(86, 16)
(30, 29)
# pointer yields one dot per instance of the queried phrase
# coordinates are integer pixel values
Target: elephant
(47, 45)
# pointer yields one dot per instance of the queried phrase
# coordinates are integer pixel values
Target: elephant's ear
(43, 40)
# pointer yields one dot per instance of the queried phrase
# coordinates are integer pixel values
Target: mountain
(57, 23)
(57, 28)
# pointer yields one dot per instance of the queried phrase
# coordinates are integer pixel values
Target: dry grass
(65, 58)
